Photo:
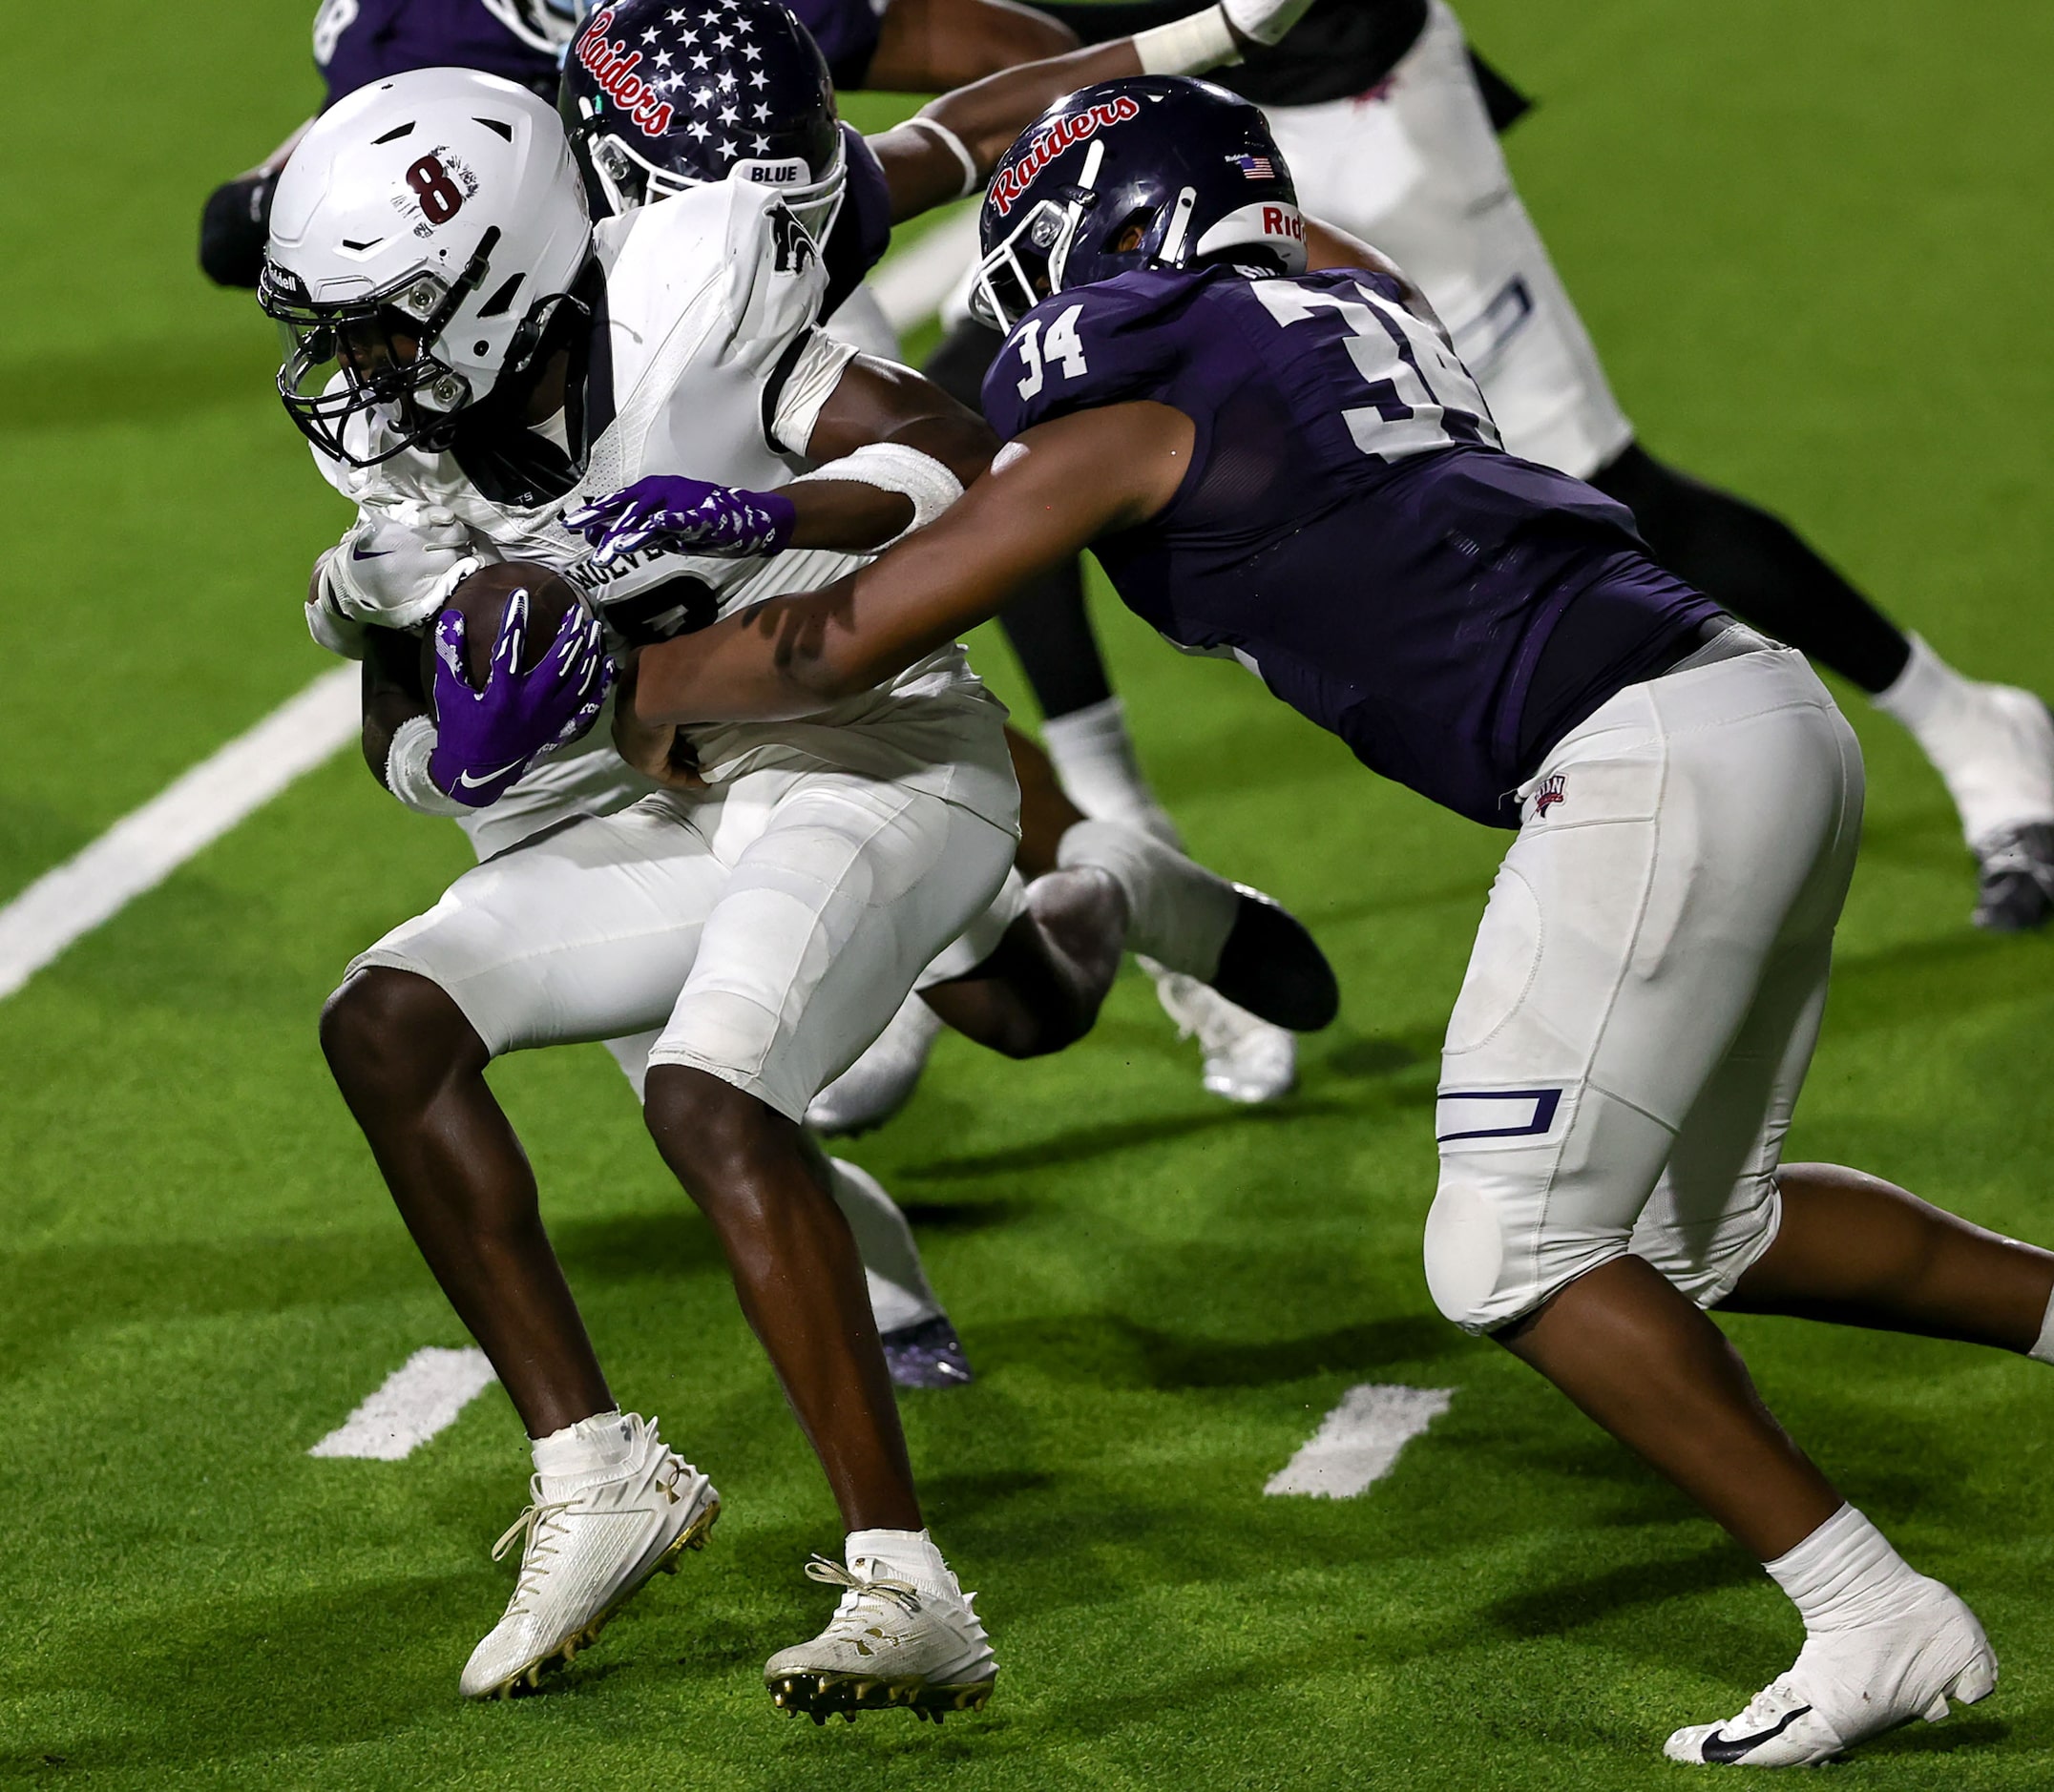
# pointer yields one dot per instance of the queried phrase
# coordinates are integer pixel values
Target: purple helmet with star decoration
(662, 94)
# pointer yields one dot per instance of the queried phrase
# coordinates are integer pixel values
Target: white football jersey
(708, 363)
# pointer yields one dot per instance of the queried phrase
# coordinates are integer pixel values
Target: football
(482, 601)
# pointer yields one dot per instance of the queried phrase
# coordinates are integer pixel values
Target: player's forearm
(980, 122)
(777, 661)
(845, 517)
(1049, 494)
(789, 658)
(987, 115)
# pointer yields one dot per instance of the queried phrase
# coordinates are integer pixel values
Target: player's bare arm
(895, 450)
(925, 45)
(924, 160)
(1057, 489)
(391, 693)
(880, 402)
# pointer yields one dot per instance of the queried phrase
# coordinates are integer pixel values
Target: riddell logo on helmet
(1064, 134)
(1283, 220)
(613, 67)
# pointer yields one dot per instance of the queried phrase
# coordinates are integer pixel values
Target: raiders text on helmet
(423, 234)
(660, 95)
(1151, 171)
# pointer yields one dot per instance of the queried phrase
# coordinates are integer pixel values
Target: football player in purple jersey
(1278, 457)
(1389, 119)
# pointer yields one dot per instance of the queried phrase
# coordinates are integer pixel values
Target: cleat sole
(821, 1695)
(559, 1655)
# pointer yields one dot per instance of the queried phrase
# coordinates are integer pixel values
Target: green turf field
(1811, 241)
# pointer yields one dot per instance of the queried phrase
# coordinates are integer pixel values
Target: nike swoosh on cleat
(1726, 1750)
(465, 781)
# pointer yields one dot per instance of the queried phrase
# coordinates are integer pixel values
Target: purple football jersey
(1349, 528)
(357, 42)
(862, 230)
(846, 34)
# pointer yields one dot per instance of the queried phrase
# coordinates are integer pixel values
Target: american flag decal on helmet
(1255, 167)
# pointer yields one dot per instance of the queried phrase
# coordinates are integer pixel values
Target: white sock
(908, 1555)
(2044, 1350)
(1991, 744)
(585, 1451)
(1845, 1575)
(1096, 765)
(1178, 911)
(1921, 695)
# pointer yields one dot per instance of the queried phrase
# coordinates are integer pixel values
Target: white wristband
(949, 140)
(893, 466)
(1187, 46)
(407, 777)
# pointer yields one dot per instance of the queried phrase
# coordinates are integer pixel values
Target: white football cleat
(588, 1551)
(890, 1643)
(880, 1082)
(1848, 1685)
(1246, 1059)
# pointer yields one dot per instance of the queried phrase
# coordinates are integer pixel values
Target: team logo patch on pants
(1551, 792)
(1469, 1113)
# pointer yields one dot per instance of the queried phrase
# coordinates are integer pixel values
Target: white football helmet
(423, 234)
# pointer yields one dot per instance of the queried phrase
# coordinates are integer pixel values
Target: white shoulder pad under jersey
(711, 300)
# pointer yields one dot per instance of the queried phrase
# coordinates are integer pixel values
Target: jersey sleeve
(847, 32)
(862, 230)
(1095, 346)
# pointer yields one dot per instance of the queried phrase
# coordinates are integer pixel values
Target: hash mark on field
(420, 1398)
(144, 848)
(1357, 1444)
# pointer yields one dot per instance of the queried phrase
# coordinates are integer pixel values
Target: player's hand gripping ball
(398, 563)
(679, 515)
(516, 665)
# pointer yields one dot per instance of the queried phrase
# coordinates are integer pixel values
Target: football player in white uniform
(468, 372)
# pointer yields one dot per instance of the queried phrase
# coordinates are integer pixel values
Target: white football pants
(1645, 988)
(767, 927)
(1413, 168)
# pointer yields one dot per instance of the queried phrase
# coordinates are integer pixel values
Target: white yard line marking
(912, 284)
(420, 1398)
(1357, 1444)
(143, 848)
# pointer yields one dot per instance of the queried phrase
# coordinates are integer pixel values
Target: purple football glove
(484, 739)
(677, 515)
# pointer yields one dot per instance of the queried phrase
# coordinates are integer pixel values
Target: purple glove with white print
(679, 515)
(485, 739)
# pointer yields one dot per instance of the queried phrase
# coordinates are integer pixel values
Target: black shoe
(926, 1355)
(1275, 968)
(2014, 885)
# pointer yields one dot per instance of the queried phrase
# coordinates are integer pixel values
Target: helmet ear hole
(1129, 233)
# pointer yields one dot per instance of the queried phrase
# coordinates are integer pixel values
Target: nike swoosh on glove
(398, 562)
(679, 515)
(485, 739)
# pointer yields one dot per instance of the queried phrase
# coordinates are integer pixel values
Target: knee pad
(1485, 1268)
(1465, 1253)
